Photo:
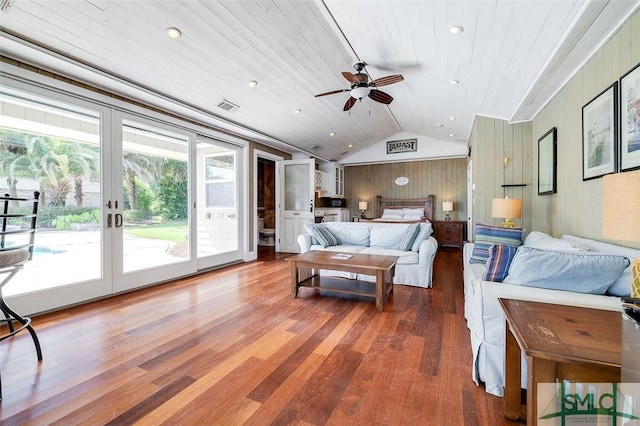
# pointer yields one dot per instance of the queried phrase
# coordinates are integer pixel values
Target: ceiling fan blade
(333, 92)
(350, 102)
(350, 77)
(390, 79)
(380, 96)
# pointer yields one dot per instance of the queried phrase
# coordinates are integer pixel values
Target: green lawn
(175, 231)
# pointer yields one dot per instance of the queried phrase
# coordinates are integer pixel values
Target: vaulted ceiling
(510, 58)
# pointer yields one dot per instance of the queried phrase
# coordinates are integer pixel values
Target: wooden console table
(564, 342)
(305, 266)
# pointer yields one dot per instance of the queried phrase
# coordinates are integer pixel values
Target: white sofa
(414, 266)
(485, 318)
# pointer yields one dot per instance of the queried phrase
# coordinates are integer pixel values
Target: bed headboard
(399, 203)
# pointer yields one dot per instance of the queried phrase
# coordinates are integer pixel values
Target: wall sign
(403, 145)
(402, 180)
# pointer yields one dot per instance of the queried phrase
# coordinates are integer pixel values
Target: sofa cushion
(386, 236)
(339, 248)
(409, 236)
(500, 257)
(350, 233)
(322, 235)
(486, 236)
(540, 240)
(425, 232)
(404, 257)
(582, 272)
(622, 286)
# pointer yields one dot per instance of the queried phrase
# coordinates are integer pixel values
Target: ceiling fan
(361, 86)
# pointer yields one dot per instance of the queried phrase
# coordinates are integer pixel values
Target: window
(220, 177)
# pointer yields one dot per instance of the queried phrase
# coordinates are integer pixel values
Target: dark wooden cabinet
(449, 233)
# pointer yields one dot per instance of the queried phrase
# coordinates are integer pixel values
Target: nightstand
(449, 233)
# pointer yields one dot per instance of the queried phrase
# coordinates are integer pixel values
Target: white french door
(150, 209)
(127, 199)
(58, 145)
(219, 202)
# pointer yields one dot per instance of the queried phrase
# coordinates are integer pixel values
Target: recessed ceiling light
(451, 135)
(452, 118)
(253, 83)
(454, 82)
(298, 111)
(439, 125)
(456, 29)
(174, 33)
(350, 145)
(332, 134)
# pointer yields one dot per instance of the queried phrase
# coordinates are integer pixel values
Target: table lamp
(447, 208)
(621, 214)
(507, 209)
(362, 206)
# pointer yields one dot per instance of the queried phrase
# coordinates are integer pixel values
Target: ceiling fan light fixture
(359, 92)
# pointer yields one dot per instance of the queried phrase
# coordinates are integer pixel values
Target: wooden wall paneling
(442, 178)
(577, 207)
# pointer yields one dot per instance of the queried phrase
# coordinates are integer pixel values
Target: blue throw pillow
(500, 257)
(582, 272)
(324, 237)
(409, 236)
(486, 236)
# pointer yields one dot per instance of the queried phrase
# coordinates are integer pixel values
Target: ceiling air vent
(316, 148)
(5, 5)
(225, 104)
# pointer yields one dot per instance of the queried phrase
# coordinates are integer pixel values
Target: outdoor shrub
(63, 222)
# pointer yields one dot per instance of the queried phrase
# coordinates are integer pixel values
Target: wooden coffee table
(305, 272)
(566, 342)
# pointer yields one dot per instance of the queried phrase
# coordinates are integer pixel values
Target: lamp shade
(621, 206)
(447, 206)
(362, 205)
(506, 208)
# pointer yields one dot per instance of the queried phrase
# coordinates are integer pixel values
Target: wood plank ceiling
(297, 49)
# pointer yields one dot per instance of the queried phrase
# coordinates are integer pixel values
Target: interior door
(297, 208)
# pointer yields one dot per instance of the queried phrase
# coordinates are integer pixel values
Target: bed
(402, 210)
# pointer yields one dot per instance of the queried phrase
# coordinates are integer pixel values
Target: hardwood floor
(234, 347)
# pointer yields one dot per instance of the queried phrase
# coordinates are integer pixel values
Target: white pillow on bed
(392, 214)
(412, 213)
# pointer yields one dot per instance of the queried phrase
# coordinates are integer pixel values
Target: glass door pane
(55, 149)
(155, 202)
(53, 144)
(218, 202)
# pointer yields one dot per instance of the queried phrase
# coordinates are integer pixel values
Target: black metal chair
(17, 235)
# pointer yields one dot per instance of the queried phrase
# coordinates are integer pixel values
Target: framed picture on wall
(630, 120)
(547, 163)
(600, 134)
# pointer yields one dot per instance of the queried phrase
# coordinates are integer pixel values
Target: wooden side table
(566, 342)
(449, 233)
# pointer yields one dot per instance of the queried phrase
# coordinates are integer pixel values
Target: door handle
(118, 220)
(109, 220)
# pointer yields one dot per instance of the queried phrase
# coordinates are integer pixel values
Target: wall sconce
(362, 206)
(507, 209)
(447, 208)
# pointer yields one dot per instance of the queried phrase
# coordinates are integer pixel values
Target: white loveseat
(414, 266)
(485, 318)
